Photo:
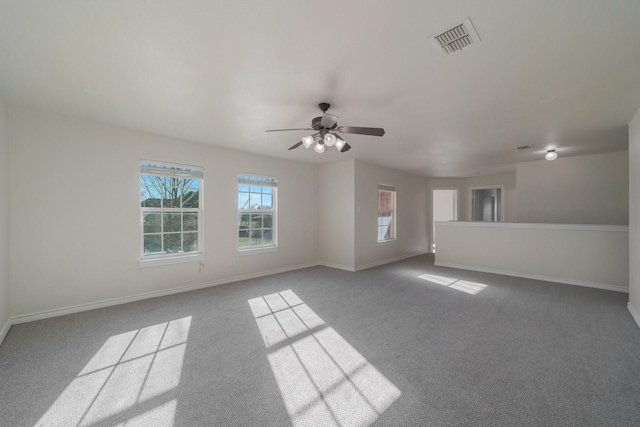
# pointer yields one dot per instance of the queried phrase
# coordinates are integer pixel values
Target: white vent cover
(456, 37)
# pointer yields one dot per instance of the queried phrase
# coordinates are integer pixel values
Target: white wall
(462, 184)
(510, 194)
(336, 214)
(445, 205)
(75, 229)
(592, 189)
(5, 312)
(411, 210)
(586, 255)
(634, 217)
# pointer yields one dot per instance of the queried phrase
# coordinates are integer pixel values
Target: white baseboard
(5, 330)
(606, 286)
(388, 260)
(634, 313)
(337, 266)
(124, 300)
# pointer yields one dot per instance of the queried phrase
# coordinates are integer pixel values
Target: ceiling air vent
(456, 37)
(524, 147)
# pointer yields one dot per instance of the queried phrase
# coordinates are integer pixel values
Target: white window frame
(174, 170)
(253, 179)
(388, 189)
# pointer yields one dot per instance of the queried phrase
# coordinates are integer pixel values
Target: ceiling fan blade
(328, 120)
(296, 145)
(281, 130)
(346, 147)
(360, 130)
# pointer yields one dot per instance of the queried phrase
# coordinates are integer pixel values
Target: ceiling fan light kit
(330, 139)
(323, 138)
(307, 141)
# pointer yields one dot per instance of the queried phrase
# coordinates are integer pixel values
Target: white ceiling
(222, 72)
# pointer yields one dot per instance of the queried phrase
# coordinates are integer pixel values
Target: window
(171, 212)
(386, 212)
(256, 212)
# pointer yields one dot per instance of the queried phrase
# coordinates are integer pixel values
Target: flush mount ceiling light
(551, 155)
(326, 127)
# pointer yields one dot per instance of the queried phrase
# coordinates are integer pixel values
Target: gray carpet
(382, 346)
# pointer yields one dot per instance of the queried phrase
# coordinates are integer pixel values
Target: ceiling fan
(326, 127)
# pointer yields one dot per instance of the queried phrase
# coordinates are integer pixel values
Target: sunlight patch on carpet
(465, 286)
(323, 380)
(129, 369)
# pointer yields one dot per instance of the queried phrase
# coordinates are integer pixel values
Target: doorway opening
(486, 203)
(444, 208)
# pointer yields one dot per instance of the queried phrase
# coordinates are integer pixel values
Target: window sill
(166, 260)
(256, 251)
(387, 242)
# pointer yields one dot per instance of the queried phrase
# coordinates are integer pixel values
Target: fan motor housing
(316, 123)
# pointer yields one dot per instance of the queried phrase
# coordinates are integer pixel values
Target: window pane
(151, 203)
(190, 199)
(388, 231)
(385, 223)
(243, 200)
(254, 202)
(256, 220)
(244, 240)
(256, 229)
(256, 237)
(385, 200)
(190, 242)
(172, 231)
(172, 222)
(243, 221)
(171, 198)
(152, 244)
(266, 201)
(171, 243)
(267, 220)
(149, 193)
(152, 222)
(267, 236)
(190, 222)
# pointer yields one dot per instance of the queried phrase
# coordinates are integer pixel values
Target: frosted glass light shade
(551, 155)
(319, 148)
(330, 139)
(307, 141)
(340, 143)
